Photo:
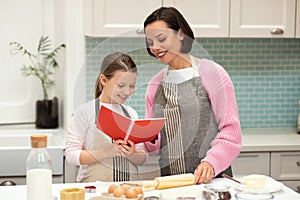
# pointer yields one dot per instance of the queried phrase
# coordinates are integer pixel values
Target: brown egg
(125, 186)
(118, 192)
(139, 190)
(131, 193)
(111, 188)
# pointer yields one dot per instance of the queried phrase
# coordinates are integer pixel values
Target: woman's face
(164, 43)
(117, 89)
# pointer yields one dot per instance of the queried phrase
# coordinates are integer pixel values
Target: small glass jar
(253, 196)
(220, 191)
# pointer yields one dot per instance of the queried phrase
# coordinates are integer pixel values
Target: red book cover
(121, 127)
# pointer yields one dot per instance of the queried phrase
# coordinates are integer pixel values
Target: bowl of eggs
(122, 192)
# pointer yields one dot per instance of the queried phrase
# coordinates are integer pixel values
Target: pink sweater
(227, 144)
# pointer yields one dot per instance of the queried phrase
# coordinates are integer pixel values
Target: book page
(121, 127)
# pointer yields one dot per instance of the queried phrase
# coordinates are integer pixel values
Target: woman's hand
(203, 173)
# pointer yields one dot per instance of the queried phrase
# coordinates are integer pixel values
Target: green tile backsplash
(265, 73)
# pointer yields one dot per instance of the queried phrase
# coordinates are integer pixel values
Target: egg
(125, 186)
(111, 188)
(139, 190)
(131, 193)
(118, 192)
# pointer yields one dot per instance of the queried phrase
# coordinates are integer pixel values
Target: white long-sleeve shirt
(82, 129)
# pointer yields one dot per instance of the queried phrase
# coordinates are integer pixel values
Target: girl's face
(164, 43)
(117, 89)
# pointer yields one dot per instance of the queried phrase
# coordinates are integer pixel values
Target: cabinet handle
(298, 163)
(140, 31)
(7, 183)
(277, 31)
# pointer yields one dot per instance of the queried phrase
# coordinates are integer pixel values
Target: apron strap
(194, 65)
(96, 109)
(125, 111)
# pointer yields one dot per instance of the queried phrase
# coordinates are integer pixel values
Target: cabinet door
(262, 18)
(21, 180)
(251, 163)
(106, 18)
(285, 165)
(295, 185)
(298, 21)
(207, 18)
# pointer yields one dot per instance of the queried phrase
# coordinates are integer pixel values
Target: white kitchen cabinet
(285, 167)
(251, 163)
(262, 18)
(281, 166)
(207, 18)
(106, 18)
(298, 22)
(21, 180)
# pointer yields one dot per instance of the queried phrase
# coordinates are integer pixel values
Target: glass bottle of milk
(39, 170)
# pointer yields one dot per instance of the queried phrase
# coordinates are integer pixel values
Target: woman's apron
(111, 169)
(190, 124)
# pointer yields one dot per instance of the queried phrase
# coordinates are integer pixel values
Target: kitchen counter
(277, 139)
(19, 192)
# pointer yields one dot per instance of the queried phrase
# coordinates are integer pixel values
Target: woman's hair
(174, 20)
(112, 63)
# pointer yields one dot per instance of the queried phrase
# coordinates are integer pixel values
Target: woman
(101, 158)
(202, 133)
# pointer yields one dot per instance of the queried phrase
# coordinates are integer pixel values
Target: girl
(99, 157)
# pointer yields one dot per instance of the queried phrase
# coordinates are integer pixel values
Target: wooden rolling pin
(174, 181)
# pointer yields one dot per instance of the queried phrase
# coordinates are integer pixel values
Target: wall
(265, 73)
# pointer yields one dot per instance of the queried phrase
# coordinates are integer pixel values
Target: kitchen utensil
(174, 181)
(229, 177)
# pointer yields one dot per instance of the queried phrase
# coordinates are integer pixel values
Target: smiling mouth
(161, 54)
(123, 97)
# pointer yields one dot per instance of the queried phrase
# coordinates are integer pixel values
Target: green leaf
(43, 62)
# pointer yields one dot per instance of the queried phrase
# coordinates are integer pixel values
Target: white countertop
(254, 140)
(19, 192)
(277, 139)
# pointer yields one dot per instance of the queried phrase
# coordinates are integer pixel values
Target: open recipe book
(120, 127)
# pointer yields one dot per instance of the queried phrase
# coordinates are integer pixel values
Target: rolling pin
(165, 182)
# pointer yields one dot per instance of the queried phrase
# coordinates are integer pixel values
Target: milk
(39, 184)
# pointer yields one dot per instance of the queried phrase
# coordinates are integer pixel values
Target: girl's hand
(127, 148)
(203, 173)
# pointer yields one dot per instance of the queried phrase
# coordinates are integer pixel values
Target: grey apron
(190, 124)
(101, 170)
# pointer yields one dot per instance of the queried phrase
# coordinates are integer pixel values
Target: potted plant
(42, 65)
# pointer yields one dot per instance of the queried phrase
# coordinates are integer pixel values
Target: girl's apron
(190, 124)
(111, 169)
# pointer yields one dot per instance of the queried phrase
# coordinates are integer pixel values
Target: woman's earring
(181, 42)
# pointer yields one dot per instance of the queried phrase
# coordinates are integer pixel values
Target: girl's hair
(112, 63)
(174, 20)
